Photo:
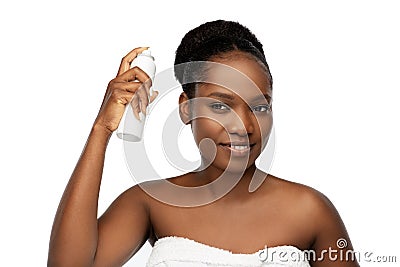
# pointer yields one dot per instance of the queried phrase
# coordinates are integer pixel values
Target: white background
(336, 71)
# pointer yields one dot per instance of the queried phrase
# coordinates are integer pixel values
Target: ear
(184, 108)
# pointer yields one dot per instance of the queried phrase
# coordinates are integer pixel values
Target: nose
(242, 122)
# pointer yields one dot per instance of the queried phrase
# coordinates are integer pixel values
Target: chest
(241, 227)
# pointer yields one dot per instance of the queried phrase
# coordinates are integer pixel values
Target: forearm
(74, 235)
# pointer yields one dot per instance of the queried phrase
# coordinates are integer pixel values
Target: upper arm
(332, 245)
(122, 229)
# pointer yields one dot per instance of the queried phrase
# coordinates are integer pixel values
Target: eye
(262, 108)
(219, 106)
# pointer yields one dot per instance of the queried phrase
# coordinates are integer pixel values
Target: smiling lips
(237, 149)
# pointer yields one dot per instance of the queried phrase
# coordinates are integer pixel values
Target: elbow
(61, 255)
(64, 261)
(57, 263)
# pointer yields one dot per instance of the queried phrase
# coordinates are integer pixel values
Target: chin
(234, 166)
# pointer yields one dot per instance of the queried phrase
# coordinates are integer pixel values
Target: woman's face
(235, 113)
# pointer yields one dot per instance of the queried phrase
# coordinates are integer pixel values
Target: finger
(127, 86)
(117, 87)
(143, 98)
(147, 86)
(153, 96)
(135, 106)
(119, 96)
(133, 74)
(127, 60)
(125, 98)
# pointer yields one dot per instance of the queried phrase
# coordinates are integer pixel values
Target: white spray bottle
(130, 128)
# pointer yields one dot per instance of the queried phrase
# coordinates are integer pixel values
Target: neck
(211, 174)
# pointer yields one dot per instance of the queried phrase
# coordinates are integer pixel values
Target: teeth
(239, 147)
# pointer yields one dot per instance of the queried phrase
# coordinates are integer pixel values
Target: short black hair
(212, 39)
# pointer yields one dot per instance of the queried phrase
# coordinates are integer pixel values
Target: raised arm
(78, 237)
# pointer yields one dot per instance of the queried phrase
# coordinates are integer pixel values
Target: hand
(132, 85)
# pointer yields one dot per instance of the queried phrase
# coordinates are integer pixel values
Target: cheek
(265, 127)
(265, 122)
(206, 128)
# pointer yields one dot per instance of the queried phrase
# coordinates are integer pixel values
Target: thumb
(153, 96)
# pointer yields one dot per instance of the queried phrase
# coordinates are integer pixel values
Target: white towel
(173, 251)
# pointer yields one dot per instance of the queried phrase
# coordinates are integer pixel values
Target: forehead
(238, 75)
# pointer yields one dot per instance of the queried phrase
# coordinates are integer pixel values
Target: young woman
(279, 223)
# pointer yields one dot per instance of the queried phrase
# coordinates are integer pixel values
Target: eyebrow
(262, 97)
(232, 96)
(222, 95)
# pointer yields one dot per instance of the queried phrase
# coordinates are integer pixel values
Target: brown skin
(279, 212)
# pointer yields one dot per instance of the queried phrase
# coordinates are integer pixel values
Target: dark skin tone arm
(329, 228)
(312, 222)
(317, 218)
(78, 237)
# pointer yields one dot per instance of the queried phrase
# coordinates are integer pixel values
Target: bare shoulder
(161, 189)
(131, 201)
(308, 206)
(123, 228)
(300, 195)
(136, 193)
(313, 209)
